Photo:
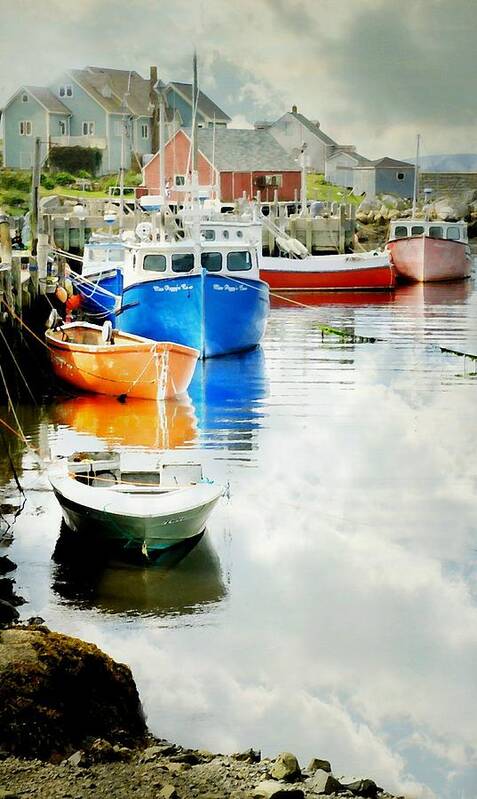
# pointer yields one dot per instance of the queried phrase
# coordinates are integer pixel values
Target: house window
(24, 98)
(179, 180)
(273, 180)
(25, 127)
(62, 127)
(145, 131)
(88, 128)
(66, 91)
(117, 128)
(400, 175)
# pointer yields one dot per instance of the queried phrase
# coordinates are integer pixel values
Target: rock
(365, 788)
(323, 782)
(158, 750)
(269, 789)
(6, 565)
(102, 751)
(168, 792)
(8, 614)
(8, 594)
(286, 767)
(76, 759)
(249, 756)
(8, 794)
(56, 691)
(316, 764)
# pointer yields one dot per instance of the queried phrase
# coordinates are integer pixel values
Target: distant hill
(463, 162)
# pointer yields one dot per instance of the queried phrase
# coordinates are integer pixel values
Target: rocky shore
(72, 727)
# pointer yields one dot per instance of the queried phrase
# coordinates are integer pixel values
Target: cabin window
(88, 128)
(179, 180)
(25, 127)
(435, 232)
(66, 91)
(453, 233)
(417, 230)
(209, 235)
(239, 234)
(24, 98)
(145, 131)
(239, 261)
(225, 234)
(400, 232)
(400, 175)
(154, 263)
(183, 262)
(212, 261)
(116, 254)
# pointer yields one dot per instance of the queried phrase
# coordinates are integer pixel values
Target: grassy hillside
(318, 189)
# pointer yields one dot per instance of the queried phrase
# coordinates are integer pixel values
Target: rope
(18, 367)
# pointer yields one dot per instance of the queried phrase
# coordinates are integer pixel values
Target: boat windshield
(116, 254)
(211, 261)
(239, 261)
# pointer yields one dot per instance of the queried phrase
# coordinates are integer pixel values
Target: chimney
(153, 102)
(294, 109)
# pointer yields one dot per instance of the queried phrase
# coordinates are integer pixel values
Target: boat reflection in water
(228, 396)
(313, 298)
(176, 585)
(135, 423)
(443, 293)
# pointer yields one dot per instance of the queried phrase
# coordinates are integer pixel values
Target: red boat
(425, 251)
(363, 271)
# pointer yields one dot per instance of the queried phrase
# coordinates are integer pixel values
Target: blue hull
(212, 313)
(95, 301)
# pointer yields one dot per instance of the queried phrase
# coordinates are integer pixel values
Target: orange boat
(105, 361)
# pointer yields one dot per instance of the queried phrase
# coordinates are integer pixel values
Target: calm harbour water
(330, 609)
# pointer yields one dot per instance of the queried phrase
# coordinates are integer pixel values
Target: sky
(373, 72)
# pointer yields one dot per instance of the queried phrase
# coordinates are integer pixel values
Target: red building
(230, 162)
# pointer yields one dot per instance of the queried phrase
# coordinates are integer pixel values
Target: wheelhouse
(152, 262)
(103, 257)
(437, 229)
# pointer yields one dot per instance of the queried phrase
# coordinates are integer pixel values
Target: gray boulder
(365, 788)
(316, 764)
(286, 767)
(269, 789)
(323, 782)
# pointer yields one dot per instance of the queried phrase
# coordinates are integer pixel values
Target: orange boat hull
(133, 366)
(365, 278)
(421, 259)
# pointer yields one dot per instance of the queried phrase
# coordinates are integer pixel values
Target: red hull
(421, 259)
(365, 278)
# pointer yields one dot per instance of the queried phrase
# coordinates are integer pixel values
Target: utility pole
(35, 188)
(154, 105)
(195, 98)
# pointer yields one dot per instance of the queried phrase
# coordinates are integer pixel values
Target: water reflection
(420, 294)
(228, 397)
(135, 423)
(316, 298)
(175, 585)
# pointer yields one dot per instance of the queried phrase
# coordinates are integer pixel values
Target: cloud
(373, 72)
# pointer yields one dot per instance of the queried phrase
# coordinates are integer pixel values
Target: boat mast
(416, 176)
(162, 166)
(195, 96)
(122, 167)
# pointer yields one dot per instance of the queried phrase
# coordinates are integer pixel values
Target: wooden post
(309, 233)
(17, 284)
(342, 229)
(61, 270)
(153, 102)
(35, 185)
(42, 257)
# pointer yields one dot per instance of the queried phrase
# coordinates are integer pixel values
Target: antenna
(416, 174)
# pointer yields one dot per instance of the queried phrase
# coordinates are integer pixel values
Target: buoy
(61, 294)
(107, 332)
(54, 320)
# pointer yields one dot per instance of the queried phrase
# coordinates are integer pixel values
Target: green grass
(318, 189)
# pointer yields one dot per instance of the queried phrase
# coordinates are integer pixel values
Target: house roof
(244, 151)
(93, 85)
(391, 163)
(122, 83)
(312, 127)
(206, 106)
(48, 100)
(343, 149)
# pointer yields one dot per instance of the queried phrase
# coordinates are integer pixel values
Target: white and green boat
(138, 513)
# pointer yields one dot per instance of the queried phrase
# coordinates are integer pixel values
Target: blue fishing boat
(204, 295)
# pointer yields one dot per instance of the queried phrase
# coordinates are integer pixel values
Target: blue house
(92, 107)
(384, 176)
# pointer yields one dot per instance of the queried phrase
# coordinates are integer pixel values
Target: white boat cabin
(437, 229)
(103, 256)
(165, 260)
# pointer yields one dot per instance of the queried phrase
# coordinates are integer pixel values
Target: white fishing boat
(133, 513)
